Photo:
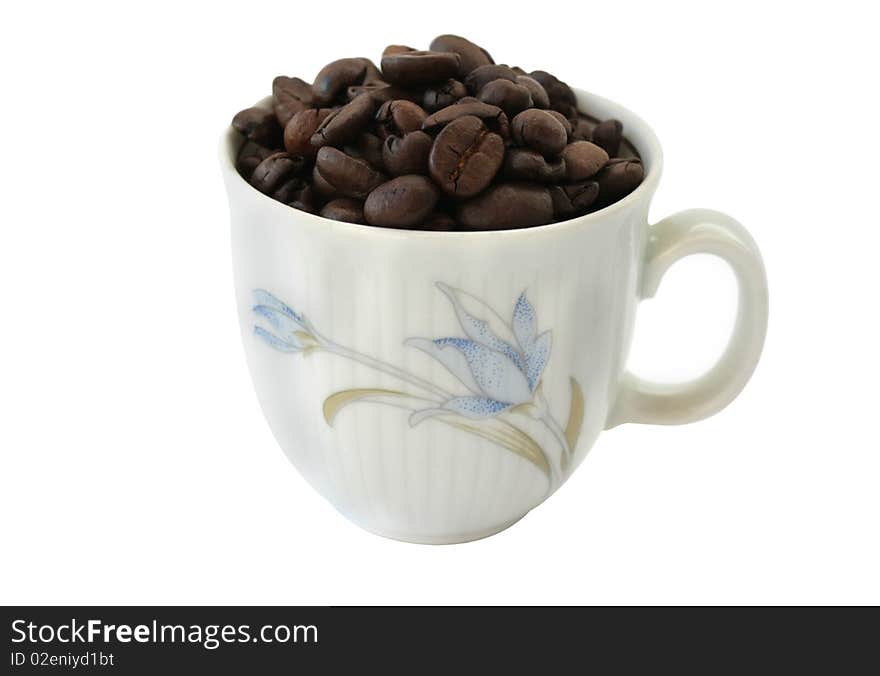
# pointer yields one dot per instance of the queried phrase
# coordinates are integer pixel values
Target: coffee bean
(563, 120)
(574, 199)
(507, 205)
(607, 135)
(258, 125)
(540, 131)
(397, 49)
(527, 165)
(372, 74)
(344, 209)
(298, 132)
(382, 92)
(512, 98)
(275, 170)
(290, 95)
(537, 92)
(491, 115)
(322, 186)
(344, 124)
(334, 78)
(402, 202)
(289, 191)
(407, 155)
(307, 200)
(627, 150)
(472, 56)
(583, 129)
(419, 68)
(560, 94)
(465, 157)
(347, 176)
(399, 117)
(618, 179)
(582, 160)
(442, 95)
(480, 77)
(439, 221)
(249, 156)
(366, 147)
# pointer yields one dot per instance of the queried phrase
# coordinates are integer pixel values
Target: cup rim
(637, 132)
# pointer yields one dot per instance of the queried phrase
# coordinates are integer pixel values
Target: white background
(136, 465)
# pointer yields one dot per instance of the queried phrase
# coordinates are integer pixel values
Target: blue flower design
(500, 372)
(293, 332)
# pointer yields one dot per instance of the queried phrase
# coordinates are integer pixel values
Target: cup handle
(694, 232)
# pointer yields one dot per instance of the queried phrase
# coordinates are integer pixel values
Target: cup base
(455, 539)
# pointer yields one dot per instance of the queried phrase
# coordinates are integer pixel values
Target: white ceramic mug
(436, 386)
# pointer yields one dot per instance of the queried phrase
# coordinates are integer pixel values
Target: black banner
(147, 640)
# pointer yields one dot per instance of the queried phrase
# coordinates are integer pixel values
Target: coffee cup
(436, 386)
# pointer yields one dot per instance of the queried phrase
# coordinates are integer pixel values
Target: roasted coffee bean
(258, 125)
(491, 115)
(574, 199)
(523, 164)
(298, 132)
(289, 96)
(289, 190)
(618, 179)
(334, 78)
(397, 49)
(607, 135)
(382, 92)
(347, 176)
(344, 209)
(537, 92)
(366, 147)
(563, 120)
(249, 156)
(507, 205)
(439, 221)
(344, 124)
(472, 56)
(465, 157)
(275, 170)
(399, 117)
(402, 202)
(442, 95)
(582, 160)
(419, 68)
(322, 186)
(407, 155)
(372, 74)
(539, 130)
(307, 200)
(480, 77)
(627, 150)
(512, 98)
(582, 128)
(560, 94)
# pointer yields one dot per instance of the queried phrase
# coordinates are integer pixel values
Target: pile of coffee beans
(444, 139)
